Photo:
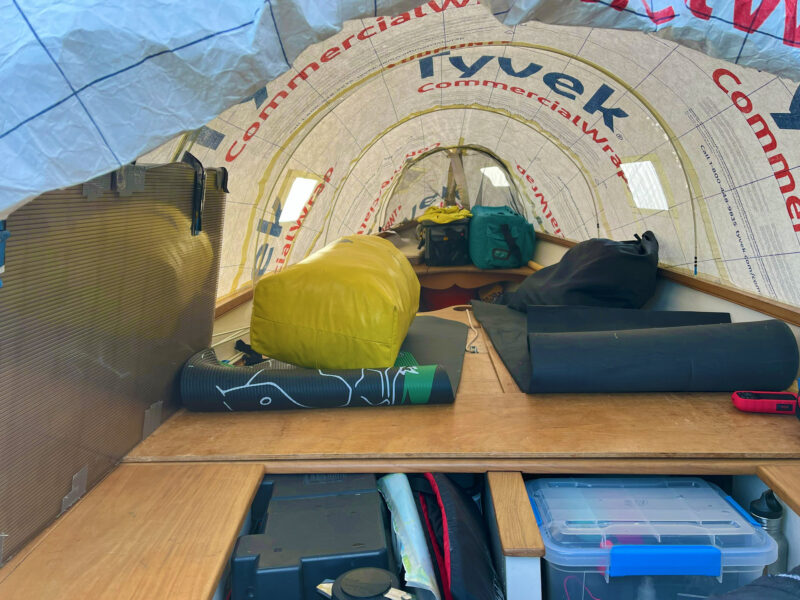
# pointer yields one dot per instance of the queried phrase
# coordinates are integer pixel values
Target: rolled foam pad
(760, 355)
(346, 306)
(207, 385)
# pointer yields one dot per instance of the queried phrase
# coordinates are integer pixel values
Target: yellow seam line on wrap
(682, 156)
(179, 149)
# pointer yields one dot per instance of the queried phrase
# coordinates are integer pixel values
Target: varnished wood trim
(231, 301)
(554, 239)
(516, 524)
(538, 466)
(773, 308)
(779, 310)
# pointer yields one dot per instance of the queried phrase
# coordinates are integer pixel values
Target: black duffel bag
(597, 272)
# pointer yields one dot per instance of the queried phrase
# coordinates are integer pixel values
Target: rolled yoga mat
(760, 355)
(207, 385)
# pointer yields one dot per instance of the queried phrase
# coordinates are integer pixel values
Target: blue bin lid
(647, 526)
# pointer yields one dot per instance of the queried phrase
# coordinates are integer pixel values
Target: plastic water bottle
(647, 589)
(769, 514)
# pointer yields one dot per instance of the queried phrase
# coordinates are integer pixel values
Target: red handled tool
(776, 403)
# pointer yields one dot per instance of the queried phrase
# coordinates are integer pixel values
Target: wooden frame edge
(231, 301)
(516, 524)
(532, 466)
(784, 481)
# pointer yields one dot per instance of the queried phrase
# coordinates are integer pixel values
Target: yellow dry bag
(347, 306)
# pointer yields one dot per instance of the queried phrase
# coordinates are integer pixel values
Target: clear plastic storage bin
(665, 538)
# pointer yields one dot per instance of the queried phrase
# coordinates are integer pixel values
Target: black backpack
(446, 245)
(457, 537)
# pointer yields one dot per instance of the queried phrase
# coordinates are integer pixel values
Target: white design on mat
(349, 389)
(268, 399)
(388, 386)
(380, 374)
(388, 393)
(401, 371)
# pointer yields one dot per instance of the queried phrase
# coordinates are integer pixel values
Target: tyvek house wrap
(350, 92)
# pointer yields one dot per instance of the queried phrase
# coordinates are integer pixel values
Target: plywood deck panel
(146, 532)
(486, 426)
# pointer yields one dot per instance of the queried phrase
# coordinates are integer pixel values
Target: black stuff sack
(597, 272)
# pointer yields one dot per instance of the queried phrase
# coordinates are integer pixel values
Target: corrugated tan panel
(102, 302)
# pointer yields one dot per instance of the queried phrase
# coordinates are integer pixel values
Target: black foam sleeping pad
(509, 329)
(597, 272)
(759, 355)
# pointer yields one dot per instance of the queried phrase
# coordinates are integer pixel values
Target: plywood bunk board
(145, 532)
(492, 426)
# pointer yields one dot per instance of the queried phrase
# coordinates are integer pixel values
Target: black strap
(251, 357)
(505, 230)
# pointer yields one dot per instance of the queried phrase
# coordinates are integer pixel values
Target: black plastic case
(308, 528)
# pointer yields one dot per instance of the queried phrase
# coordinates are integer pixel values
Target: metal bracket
(97, 186)
(78, 489)
(152, 418)
(128, 180)
(4, 235)
(222, 179)
(3, 537)
(199, 195)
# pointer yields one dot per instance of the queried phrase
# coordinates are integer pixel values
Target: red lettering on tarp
(230, 156)
(393, 217)
(546, 212)
(577, 120)
(446, 4)
(615, 4)
(791, 32)
(333, 53)
(744, 19)
(761, 129)
(660, 16)
(700, 9)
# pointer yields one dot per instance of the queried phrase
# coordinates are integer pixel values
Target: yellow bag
(441, 215)
(347, 306)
